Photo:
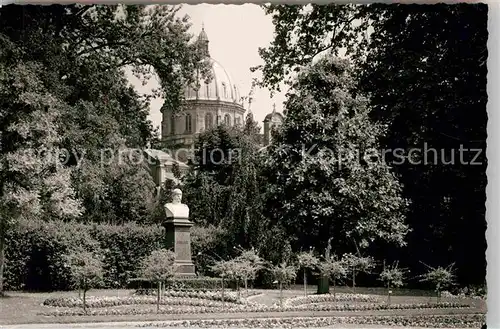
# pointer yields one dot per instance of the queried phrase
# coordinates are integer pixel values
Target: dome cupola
(219, 87)
(203, 42)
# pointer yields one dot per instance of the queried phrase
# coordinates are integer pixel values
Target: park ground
(20, 310)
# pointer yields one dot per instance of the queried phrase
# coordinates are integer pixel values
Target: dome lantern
(203, 41)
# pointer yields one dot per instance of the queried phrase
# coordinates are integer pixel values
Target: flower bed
(375, 307)
(132, 311)
(296, 301)
(231, 296)
(434, 321)
(205, 306)
(101, 302)
(447, 294)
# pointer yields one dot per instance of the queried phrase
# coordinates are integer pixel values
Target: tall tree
(424, 67)
(85, 50)
(223, 188)
(318, 186)
(64, 66)
(33, 183)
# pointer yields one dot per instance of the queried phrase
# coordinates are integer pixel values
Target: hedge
(179, 284)
(35, 249)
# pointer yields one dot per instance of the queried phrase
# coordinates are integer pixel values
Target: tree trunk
(305, 283)
(223, 299)
(389, 293)
(2, 253)
(246, 286)
(84, 297)
(158, 298)
(353, 281)
(281, 294)
(334, 291)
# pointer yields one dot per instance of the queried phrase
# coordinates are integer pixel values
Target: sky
(235, 33)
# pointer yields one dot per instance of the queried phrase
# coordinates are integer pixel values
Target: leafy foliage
(440, 277)
(327, 192)
(333, 268)
(250, 264)
(283, 273)
(392, 276)
(159, 265)
(64, 87)
(37, 260)
(357, 264)
(307, 260)
(223, 188)
(86, 270)
(424, 68)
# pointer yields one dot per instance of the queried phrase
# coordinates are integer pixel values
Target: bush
(36, 260)
(124, 247)
(201, 283)
(142, 285)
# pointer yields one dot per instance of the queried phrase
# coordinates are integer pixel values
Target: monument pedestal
(178, 239)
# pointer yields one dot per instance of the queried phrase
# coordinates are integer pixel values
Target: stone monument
(178, 237)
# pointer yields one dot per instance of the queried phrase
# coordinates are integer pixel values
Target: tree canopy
(63, 89)
(424, 70)
(323, 169)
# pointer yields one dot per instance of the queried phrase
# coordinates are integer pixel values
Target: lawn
(24, 308)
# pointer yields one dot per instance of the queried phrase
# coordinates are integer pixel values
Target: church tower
(272, 120)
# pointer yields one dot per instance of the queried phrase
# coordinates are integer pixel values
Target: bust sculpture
(176, 209)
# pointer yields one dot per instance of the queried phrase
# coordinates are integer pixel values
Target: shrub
(357, 264)
(36, 260)
(198, 284)
(334, 270)
(283, 274)
(124, 246)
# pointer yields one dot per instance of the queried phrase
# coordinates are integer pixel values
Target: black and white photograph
(243, 166)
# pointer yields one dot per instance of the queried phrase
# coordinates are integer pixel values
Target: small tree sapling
(392, 276)
(333, 269)
(307, 261)
(159, 267)
(283, 274)
(86, 270)
(440, 277)
(357, 264)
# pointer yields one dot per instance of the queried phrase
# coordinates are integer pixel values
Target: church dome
(274, 116)
(220, 86)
